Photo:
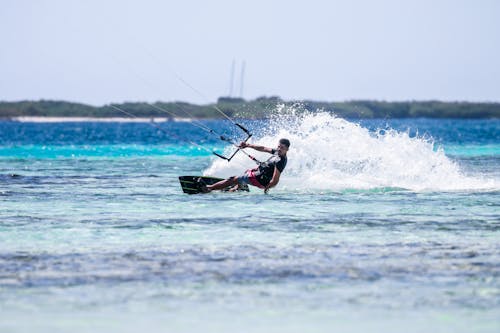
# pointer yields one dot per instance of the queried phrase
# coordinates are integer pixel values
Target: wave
(330, 153)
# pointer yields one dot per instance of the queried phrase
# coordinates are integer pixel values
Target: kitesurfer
(265, 176)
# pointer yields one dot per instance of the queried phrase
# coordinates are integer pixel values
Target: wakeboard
(190, 184)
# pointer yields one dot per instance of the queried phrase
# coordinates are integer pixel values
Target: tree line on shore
(259, 108)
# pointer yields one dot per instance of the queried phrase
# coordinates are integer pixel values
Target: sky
(112, 51)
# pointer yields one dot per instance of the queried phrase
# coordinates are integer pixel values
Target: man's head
(283, 146)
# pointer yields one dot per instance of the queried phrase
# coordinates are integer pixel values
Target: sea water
(385, 225)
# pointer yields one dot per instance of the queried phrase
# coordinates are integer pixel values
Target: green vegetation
(261, 107)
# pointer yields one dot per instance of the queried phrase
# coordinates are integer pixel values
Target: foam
(330, 153)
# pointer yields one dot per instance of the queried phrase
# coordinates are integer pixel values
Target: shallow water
(384, 225)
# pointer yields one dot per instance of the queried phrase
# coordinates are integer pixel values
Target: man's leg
(223, 184)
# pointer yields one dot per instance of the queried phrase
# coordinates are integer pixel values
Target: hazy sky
(102, 51)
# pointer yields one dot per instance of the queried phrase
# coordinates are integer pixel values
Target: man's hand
(243, 145)
(275, 180)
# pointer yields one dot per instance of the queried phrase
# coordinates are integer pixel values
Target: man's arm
(274, 181)
(256, 147)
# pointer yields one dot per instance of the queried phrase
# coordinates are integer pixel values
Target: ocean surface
(389, 225)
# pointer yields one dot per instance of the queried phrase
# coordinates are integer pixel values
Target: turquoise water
(383, 225)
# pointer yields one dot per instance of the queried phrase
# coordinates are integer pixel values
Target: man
(265, 176)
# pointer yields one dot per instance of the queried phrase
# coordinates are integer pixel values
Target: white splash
(329, 153)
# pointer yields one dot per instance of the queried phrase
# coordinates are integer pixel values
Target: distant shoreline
(42, 119)
(260, 108)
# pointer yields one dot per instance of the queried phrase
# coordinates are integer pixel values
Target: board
(190, 184)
